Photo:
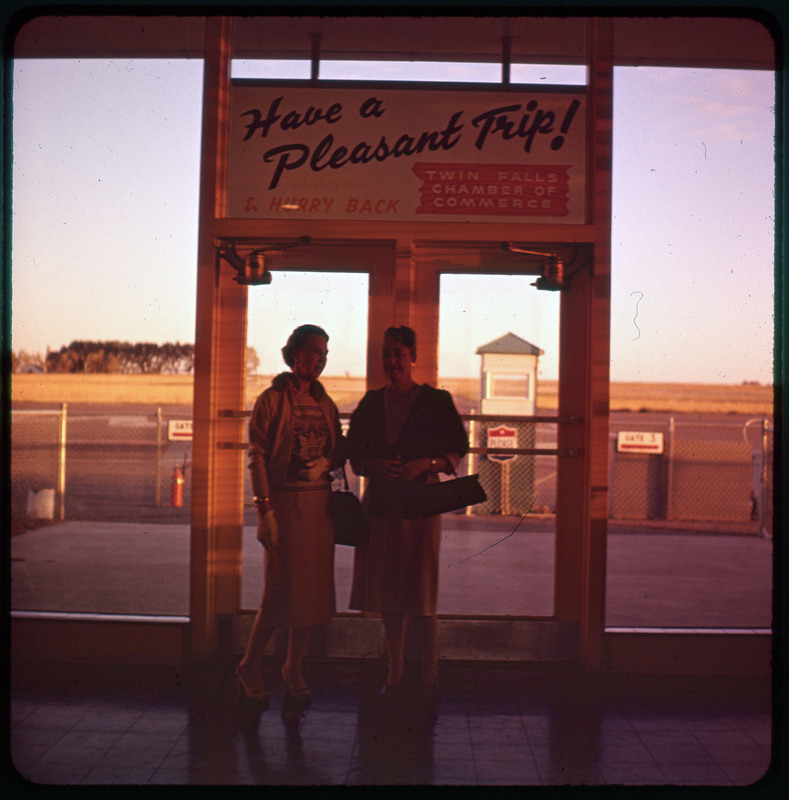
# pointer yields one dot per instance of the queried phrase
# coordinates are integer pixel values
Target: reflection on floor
(528, 725)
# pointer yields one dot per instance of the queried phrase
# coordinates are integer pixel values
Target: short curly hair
(405, 335)
(297, 339)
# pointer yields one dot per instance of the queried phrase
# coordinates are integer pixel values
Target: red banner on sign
(493, 189)
(502, 433)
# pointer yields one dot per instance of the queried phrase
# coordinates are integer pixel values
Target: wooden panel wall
(220, 348)
(582, 482)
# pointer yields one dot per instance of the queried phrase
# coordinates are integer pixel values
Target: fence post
(504, 472)
(158, 456)
(470, 461)
(763, 477)
(670, 470)
(62, 463)
(611, 457)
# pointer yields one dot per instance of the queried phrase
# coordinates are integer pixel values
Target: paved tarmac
(689, 575)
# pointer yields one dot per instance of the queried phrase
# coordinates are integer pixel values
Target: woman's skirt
(298, 589)
(396, 571)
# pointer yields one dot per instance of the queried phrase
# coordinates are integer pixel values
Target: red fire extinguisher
(177, 487)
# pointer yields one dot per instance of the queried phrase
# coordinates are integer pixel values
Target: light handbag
(347, 516)
(416, 500)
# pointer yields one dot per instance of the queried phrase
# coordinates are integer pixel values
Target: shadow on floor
(527, 725)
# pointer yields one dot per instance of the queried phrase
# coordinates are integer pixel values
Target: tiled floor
(490, 725)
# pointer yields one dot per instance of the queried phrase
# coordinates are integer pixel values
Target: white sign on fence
(500, 438)
(639, 442)
(179, 430)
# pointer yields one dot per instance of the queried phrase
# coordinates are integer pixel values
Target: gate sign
(639, 442)
(179, 430)
(499, 438)
(390, 155)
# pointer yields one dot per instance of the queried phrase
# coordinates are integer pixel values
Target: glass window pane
(498, 558)
(689, 540)
(337, 302)
(504, 385)
(269, 68)
(105, 190)
(444, 72)
(549, 74)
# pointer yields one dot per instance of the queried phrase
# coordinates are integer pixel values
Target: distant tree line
(118, 357)
(122, 357)
(23, 361)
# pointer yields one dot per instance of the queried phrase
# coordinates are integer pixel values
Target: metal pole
(158, 456)
(315, 55)
(506, 59)
(470, 463)
(62, 464)
(670, 472)
(764, 493)
(505, 488)
(611, 457)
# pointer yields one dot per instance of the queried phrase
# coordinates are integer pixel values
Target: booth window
(508, 385)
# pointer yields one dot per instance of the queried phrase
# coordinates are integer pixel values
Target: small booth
(508, 387)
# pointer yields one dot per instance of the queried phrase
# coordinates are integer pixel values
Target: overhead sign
(406, 154)
(179, 430)
(500, 438)
(639, 442)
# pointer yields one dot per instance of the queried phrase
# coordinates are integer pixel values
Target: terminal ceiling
(700, 42)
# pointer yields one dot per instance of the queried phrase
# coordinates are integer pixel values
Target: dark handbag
(438, 498)
(348, 516)
(416, 500)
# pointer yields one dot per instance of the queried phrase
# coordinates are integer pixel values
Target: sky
(105, 205)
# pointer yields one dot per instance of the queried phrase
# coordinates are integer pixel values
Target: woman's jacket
(433, 428)
(270, 440)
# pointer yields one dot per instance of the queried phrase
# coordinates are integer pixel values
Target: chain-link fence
(514, 484)
(36, 460)
(119, 467)
(711, 471)
(137, 466)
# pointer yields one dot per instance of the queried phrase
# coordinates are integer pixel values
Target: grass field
(56, 388)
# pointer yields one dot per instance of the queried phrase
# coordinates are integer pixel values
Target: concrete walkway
(709, 576)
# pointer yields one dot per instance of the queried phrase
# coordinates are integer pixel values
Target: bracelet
(264, 501)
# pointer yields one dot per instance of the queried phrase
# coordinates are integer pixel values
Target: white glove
(268, 532)
(314, 470)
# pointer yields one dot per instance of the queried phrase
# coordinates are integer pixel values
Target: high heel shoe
(392, 694)
(429, 687)
(296, 697)
(430, 679)
(256, 695)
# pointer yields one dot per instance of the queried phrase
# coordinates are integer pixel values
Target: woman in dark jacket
(404, 432)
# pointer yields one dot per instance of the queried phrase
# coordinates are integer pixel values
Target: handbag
(347, 515)
(428, 499)
(416, 500)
